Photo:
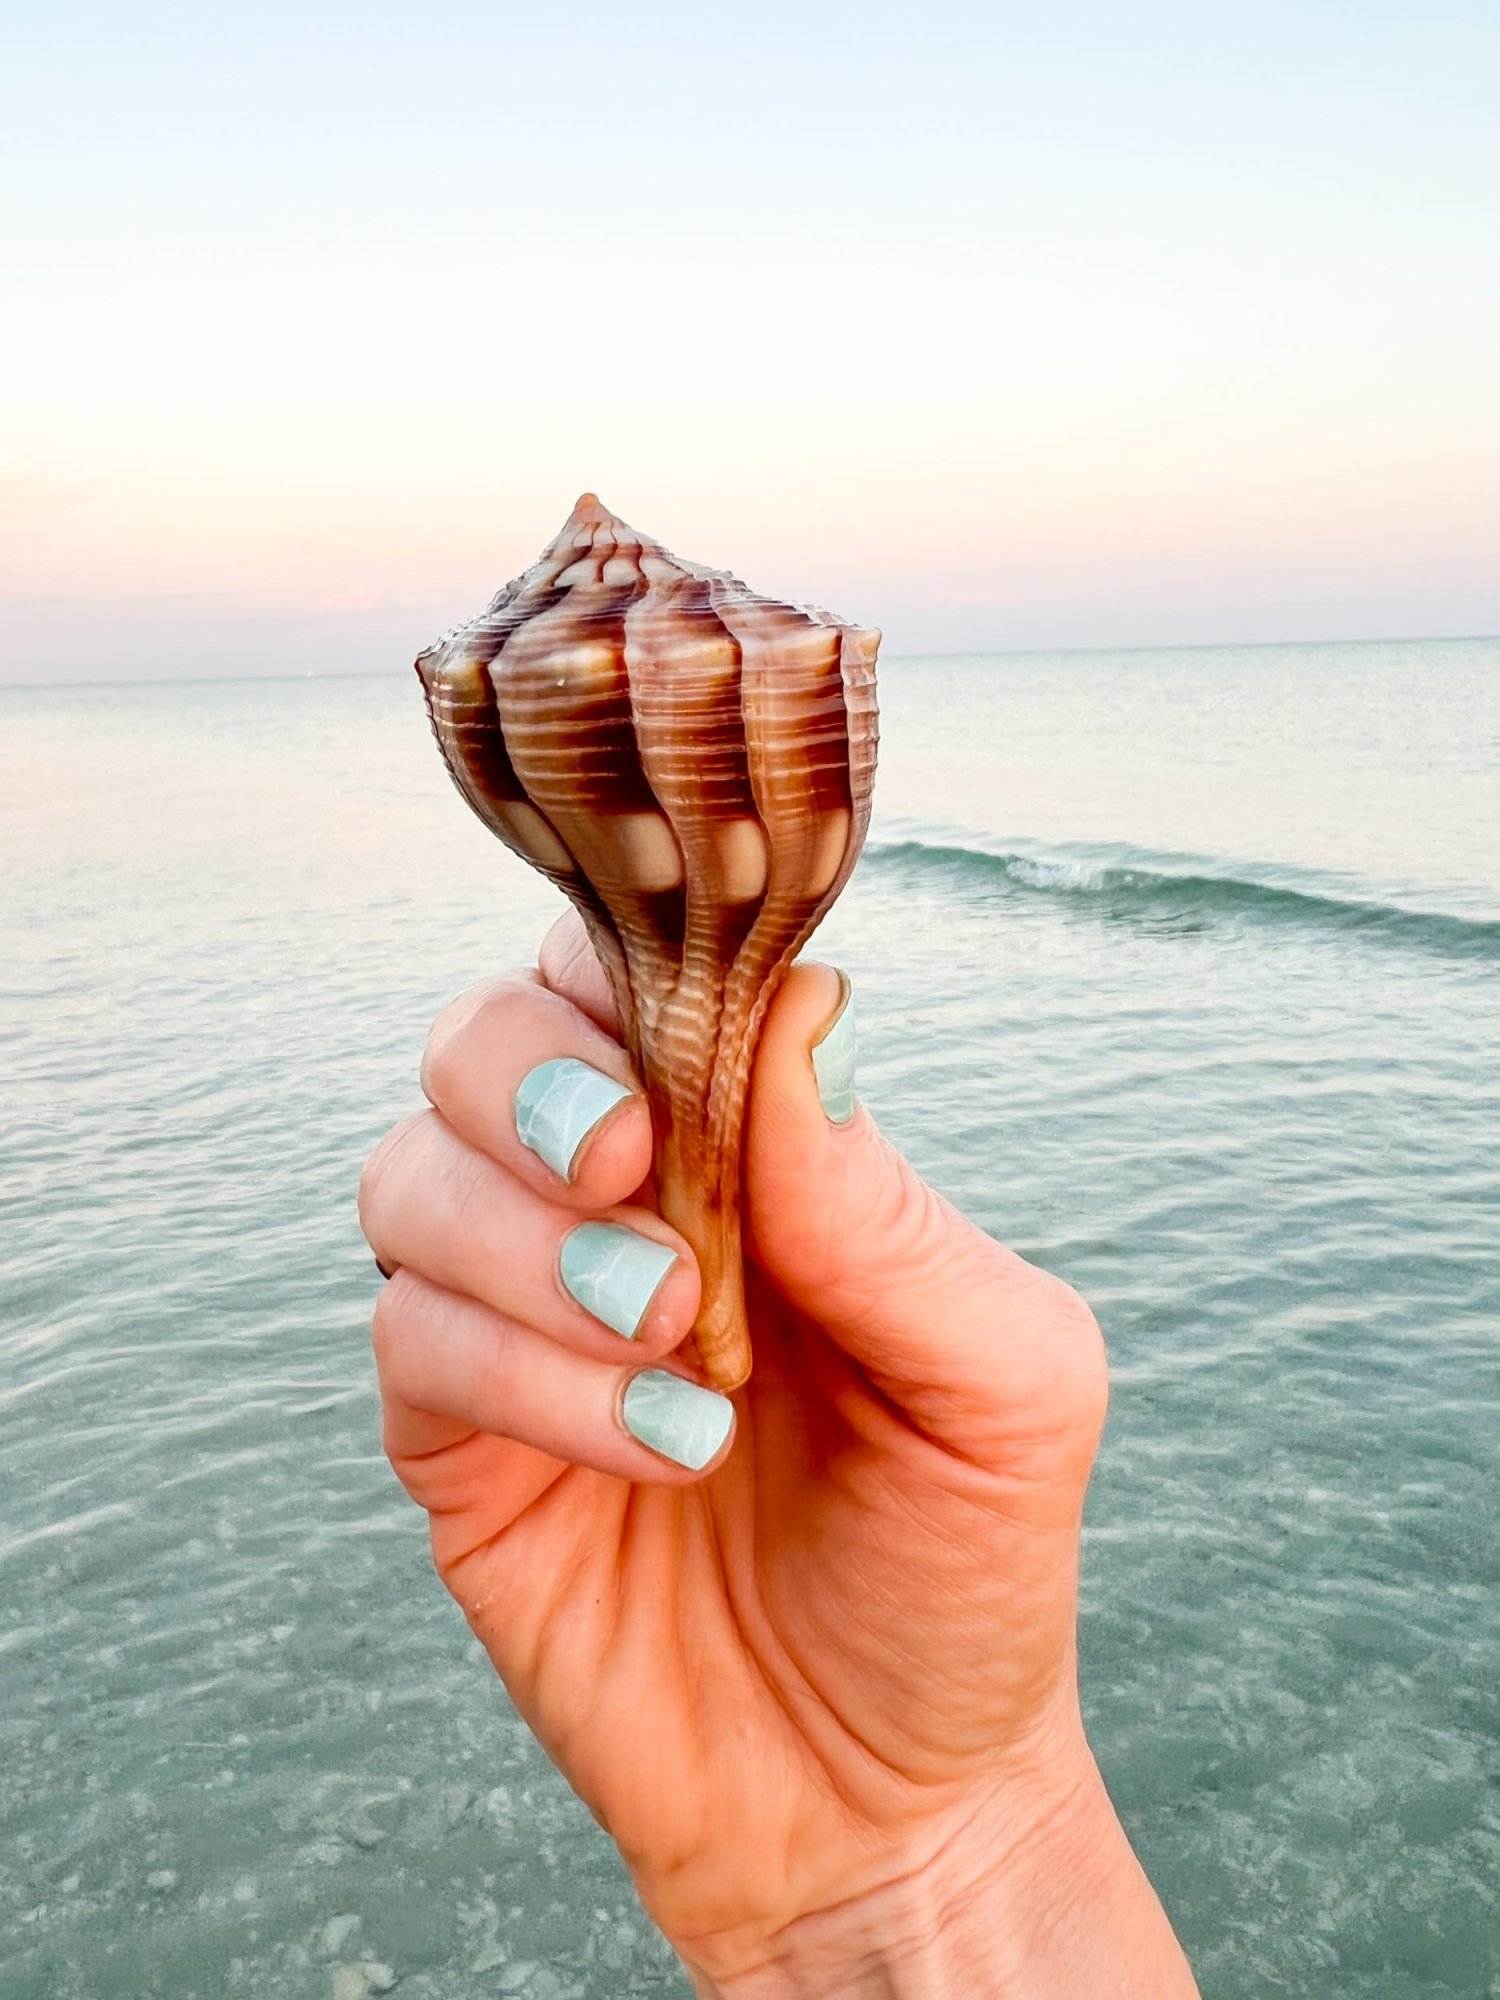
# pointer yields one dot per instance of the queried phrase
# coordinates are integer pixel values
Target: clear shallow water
(1179, 971)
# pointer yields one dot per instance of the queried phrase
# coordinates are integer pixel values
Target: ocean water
(1179, 971)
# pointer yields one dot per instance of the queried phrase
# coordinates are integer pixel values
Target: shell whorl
(692, 764)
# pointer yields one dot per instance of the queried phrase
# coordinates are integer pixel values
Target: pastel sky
(1005, 326)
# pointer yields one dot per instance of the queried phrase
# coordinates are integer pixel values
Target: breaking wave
(1123, 882)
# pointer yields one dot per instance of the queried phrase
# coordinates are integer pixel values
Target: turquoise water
(1178, 970)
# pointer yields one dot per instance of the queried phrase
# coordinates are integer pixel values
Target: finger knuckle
(1073, 1312)
(566, 955)
(1080, 1350)
(466, 1207)
(390, 1335)
(902, 1212)
(450, 1040)
(381, 1176)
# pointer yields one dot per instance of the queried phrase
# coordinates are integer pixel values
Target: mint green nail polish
(614, 1273)
(833, 1064)
(675, 1417)
(558, 1104)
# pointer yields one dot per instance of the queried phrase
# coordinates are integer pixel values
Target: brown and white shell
(692, 764)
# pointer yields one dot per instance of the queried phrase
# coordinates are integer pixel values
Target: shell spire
(691, 763)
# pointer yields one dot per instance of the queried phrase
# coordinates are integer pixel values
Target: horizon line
(945, 653)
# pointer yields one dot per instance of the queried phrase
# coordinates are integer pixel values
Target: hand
(816, 1674)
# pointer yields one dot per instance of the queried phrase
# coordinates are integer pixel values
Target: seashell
(692, 764)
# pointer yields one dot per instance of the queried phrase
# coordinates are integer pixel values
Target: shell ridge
(781, 924)
(727, 1030)
(628, 624)
(557, 610)
(690, 954)
(492, 671)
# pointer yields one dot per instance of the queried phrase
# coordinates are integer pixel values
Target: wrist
(1010, 1903)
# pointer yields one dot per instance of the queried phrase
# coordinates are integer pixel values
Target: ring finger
(450, 1367)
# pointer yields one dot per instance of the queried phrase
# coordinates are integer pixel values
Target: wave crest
(1194, 888)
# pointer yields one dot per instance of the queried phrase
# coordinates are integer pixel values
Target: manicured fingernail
(614, 1273)
(675, 1417)
(558, 1104)
(833, 1061)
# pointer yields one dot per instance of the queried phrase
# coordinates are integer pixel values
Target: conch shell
(692, 765)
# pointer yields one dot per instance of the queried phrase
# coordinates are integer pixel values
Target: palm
(843, 1626)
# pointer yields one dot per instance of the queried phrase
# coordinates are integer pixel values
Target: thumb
(965, 1335)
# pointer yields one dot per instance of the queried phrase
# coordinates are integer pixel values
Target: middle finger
(438, 1206)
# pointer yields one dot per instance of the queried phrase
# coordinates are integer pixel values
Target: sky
(999, 326)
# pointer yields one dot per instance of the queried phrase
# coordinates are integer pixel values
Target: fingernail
(675, 1417)
(833, 1061)
(614, 1273)
(558, 1104)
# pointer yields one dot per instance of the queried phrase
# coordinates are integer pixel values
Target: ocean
(1180, 971)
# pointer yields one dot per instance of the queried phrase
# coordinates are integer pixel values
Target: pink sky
(1004, 339)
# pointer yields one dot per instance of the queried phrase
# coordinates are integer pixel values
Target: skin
(822, 1695)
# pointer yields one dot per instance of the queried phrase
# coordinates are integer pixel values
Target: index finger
(569, 964)
(529, 1079)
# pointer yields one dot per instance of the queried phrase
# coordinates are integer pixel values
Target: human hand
(821, 1687)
